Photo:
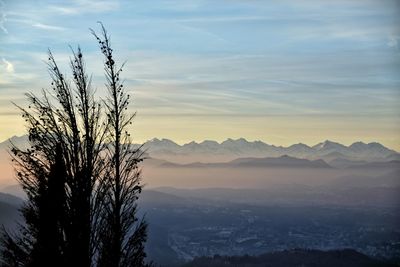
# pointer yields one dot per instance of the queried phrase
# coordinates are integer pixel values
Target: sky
(283, 72)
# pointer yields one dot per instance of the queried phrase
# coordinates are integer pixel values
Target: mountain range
(267, 162)
(232, 149)
(334, 153)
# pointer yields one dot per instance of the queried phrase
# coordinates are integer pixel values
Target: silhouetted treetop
(80, 173)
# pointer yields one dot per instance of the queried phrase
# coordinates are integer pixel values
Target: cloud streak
(208, 58)
(48, 27)
(85, 6)
(8, 66)
(3, 18)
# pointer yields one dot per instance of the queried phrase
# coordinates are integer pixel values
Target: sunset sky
(282, 72)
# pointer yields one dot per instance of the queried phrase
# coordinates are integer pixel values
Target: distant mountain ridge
(326, 150)
(240, 148)
(278, 162)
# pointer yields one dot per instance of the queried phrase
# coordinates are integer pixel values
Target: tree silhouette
(124, 235)
(80, 175)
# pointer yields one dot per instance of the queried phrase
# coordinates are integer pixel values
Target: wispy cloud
(3, 18)
(85, 6)
(393, 41)
(221, 58)
(47, 27)
(7, 65)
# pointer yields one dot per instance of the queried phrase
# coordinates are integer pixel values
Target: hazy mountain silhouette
(281, 162)
(239, 148)
(9, 213)
(20, 141)
(10, 199)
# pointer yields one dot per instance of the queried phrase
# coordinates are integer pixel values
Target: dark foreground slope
(9, 215)
(292, 258)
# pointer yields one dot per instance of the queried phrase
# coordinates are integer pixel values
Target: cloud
(393, 41)
(7, 65)
(3, 18)
(47, 27)
(85, 6)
